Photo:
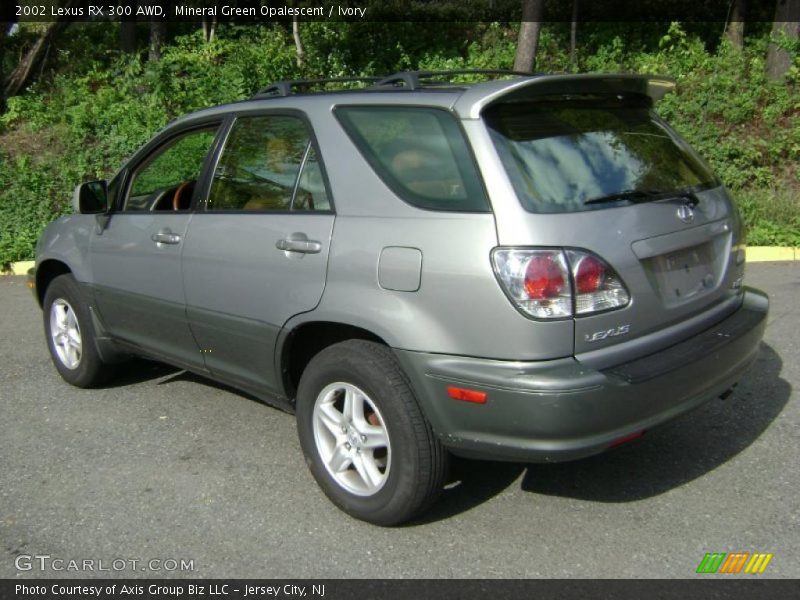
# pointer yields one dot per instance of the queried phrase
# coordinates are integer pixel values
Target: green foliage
(92, 106)
(29, 200)
(182, 161)
(771, 215)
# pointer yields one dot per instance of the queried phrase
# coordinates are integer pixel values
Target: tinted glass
(420, 153)
(159, 178)
(260, 166)
(562, 155)
(311, 193)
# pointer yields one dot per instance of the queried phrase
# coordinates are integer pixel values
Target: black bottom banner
(393, 589)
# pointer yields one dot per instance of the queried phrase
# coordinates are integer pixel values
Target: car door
(257, 255)
(135, 258)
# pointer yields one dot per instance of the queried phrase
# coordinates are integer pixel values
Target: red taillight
(589, 275)
(597, 285)
(543, 278)
(457, 393)
(536, 280)
(554, 283)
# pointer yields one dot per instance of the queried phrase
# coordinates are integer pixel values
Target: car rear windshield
(420, 153)
(568, 155)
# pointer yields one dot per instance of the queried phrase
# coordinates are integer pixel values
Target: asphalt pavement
(166, 466)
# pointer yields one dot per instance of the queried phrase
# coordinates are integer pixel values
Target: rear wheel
(70, 334)
(364, 436)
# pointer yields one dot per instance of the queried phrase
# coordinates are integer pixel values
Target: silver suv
(529, 268)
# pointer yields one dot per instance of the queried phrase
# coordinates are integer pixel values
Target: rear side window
(268, 164)
(570, 155)
(420, 153)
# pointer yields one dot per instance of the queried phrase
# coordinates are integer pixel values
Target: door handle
(304, 246)
(165, 236)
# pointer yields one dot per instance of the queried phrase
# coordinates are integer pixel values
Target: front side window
(420, 153)
(166, 179)
(268, 163)
(569, 155)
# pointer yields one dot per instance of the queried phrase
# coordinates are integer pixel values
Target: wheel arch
(298, 345)
(46, 272)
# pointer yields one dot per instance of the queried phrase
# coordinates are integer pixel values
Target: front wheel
(364, 436)
(70, 334)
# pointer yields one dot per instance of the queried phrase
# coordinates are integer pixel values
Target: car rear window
(570, 155)
(420, 153)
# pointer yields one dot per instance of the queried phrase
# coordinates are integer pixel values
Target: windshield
(572, 155)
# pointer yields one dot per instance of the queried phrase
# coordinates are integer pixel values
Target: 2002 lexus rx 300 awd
(530, 268)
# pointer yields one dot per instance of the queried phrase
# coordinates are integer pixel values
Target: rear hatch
(594, 169)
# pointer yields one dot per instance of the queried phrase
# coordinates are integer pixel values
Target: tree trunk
(298, 43)
(3, 33)
(528, 40)
(19, 76)
(573, 32)
(158, 31)
(787, 21)
(127, 36)
(209, 27)
(735, 29)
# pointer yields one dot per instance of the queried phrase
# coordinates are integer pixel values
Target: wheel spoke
(74, 338)
(71, 355)
(61, 317)
(349, 400)
(71, 321)
(357, 417)
(376, 437)
(367, 470)
(339, 460)
(331, 418)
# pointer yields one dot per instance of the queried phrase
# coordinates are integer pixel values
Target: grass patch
(771, 215)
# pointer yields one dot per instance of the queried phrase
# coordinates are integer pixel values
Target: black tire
(417, 462)
(89, 370)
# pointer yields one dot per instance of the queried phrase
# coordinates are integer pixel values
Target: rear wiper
(630, 195)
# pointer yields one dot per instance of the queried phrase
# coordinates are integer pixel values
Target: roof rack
(288, 87)
(405, 80)
(413, 80)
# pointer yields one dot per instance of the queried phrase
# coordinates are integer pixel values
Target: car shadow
(470, 484)
(139, 370)
(665, 458)
(678, 452)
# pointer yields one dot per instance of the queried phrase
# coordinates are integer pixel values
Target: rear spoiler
(475, 99)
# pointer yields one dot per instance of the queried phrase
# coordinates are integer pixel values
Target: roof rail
(412, 80)
(406, 80)
(288, 87)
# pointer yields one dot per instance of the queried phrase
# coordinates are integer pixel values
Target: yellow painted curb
(19, 268)
(771, 253)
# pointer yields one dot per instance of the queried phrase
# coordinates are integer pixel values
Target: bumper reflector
(625, 439)
(457, 393)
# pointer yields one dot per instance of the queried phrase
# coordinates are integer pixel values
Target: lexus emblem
(686, 213)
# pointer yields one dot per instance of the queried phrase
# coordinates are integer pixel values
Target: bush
(95, 107)
(771, 216)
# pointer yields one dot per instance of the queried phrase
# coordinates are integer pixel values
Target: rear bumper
(562, 410)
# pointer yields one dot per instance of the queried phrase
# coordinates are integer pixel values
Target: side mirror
(91, 198)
